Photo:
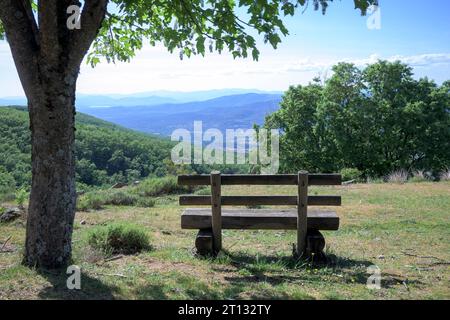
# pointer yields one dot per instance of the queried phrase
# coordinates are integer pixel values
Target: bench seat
(260, 219)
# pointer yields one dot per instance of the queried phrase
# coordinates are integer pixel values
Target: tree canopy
(377, 119)
(191, 27)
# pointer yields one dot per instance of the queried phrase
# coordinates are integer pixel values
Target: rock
(10, 214)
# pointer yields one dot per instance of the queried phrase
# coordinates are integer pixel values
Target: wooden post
(216, 210)
(302, 206)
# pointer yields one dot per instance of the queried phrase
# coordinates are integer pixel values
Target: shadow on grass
(91, 288)
(272, 269)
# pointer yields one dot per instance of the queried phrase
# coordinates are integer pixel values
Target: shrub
(145, 202)
(21, 196)
(351, 174)
(7, 182)
(419, 176)
(119, 238)
(120, 198)
(95, 200)
(204, 192)
(399, 176)
(90, 201)
(161, 186)
(374, 180)
(445, 175)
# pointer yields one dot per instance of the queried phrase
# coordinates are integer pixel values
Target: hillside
(106, 153)
(226, 112)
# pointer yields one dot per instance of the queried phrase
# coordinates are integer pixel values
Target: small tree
(48, 55)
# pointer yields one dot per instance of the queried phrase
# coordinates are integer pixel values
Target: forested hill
(106, 153)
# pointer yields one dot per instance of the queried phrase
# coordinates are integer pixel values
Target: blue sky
(415, 31)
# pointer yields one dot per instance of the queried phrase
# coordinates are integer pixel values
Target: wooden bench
(210, 222)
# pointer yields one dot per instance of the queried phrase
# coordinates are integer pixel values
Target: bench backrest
(302, 200)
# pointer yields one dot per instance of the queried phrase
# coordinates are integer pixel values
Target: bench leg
(204, 242)
(315, 243)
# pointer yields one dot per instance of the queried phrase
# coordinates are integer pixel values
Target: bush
(90, 201)
(374, 180)
(204, 192)
(117, 238)
(399, 176)
(419, 176)
(160, 186)
(120, 198)
(21, 196)
(445, 175)
(145, 202)
(7, 182)
(95, 200)
(351, 174)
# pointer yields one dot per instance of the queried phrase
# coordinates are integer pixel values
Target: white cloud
(423, 60)
(154, 68)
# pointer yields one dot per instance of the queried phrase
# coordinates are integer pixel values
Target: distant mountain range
(161, 112)
(227, 112)
(144, 98)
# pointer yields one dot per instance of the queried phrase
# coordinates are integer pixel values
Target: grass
(404, 229)
(117, 238)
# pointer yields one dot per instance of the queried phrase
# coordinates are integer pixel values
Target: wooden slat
(248, 179)
(260, 219)
(302, 210)
(260, 200)
(216, 207)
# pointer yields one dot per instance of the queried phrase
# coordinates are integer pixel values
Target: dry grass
(403, 229)
(445, 175)
(399, 176)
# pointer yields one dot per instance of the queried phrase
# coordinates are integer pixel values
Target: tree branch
(92, 17)
(48, 25)
(22, 40)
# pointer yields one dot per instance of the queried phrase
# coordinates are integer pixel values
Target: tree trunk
(48, 55)
(53, 197)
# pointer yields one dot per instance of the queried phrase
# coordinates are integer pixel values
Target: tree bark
(48, 56)
(52, 204)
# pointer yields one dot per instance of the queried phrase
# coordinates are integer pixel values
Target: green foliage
(419, 176)
(21, 197)
(116, 238)
(161, 186)
(96, 200)
(378, 120)
(204, 192)
(2, 31)
(195, 27)
(91, 201)
(106, 153)
(7, 183)
(350, 174)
